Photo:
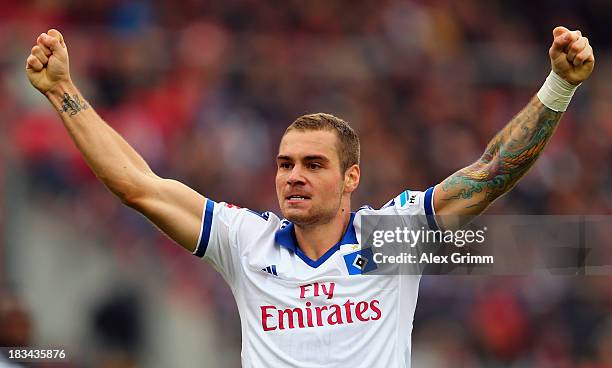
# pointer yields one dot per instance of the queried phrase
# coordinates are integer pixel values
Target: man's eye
(284, 165)
(314, 166)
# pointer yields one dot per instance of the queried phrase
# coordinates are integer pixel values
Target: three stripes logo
(270, 269)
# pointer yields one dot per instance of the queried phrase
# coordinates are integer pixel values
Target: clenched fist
(571, 56)
(47, 66)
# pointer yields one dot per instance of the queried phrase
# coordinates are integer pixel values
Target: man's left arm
(511, 153)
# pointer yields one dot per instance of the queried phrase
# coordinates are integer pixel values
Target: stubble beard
(317, 216)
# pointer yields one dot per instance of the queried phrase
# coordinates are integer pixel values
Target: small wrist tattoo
(72, 105)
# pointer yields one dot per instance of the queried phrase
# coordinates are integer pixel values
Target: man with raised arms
(301, 284)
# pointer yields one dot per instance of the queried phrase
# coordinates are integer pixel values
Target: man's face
(309, 182)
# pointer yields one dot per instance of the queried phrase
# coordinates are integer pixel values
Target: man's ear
(351, 178)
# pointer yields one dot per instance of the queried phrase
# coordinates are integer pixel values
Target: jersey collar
(285, 237)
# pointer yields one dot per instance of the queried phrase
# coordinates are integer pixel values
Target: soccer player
(303, 296)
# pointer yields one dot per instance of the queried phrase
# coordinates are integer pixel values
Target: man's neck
(317, 239)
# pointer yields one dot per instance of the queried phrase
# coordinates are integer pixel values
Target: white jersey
(299, 312)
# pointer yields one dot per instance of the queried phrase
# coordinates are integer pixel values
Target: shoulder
(235, 220)
(245, 216)
(409, 204)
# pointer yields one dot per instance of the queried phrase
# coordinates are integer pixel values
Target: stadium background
(203, 90)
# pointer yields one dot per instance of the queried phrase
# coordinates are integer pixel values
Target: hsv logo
(360, 262)
(324, 314)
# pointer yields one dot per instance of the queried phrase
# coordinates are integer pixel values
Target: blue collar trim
(285, 237)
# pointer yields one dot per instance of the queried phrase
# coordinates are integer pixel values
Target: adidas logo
(270, 269)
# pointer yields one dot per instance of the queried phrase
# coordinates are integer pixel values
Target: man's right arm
(172, 206)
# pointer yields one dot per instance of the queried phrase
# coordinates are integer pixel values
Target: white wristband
(556, 93)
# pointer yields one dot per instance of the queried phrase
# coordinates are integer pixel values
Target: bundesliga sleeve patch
(408, 198)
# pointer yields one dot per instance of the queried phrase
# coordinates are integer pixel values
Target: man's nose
(296, 175)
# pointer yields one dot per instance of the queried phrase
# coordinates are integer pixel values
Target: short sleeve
(412, 210)
(416, 204)
(217, 240)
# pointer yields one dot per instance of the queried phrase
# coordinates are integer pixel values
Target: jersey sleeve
(417, 206)
(413, 210)
(217, 242)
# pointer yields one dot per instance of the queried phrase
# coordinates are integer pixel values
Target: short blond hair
(348, 141)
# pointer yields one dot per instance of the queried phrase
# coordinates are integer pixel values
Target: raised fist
(571, 56)
(47, 65)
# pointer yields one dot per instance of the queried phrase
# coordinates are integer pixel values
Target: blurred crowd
(204, 89)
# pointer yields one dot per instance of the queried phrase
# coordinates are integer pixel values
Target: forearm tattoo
(72, 104)
(507, 157)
